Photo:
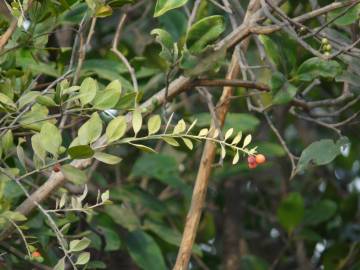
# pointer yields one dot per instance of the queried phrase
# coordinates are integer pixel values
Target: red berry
(36, 254)
(252, 165)
(56, 167)
(251, 159)
(260, 159)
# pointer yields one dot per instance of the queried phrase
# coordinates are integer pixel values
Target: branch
(208, 156)
(115, 50)
(233, 83)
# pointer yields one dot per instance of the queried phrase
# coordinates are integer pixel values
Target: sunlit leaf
(154, 124)
(116, 129)
(107, 158)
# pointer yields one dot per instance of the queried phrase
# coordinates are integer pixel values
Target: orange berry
(252, 165)
(260, 158)
(36, 254)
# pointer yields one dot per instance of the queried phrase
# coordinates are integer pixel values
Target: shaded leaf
(73, 174)
(80, 152)
(144, 251)
(203, 32)
(291, 211)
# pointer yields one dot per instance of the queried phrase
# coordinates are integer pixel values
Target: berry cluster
(253, 161)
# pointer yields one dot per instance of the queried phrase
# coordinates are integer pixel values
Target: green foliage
(320, 212)
(163, 6)
(321, 152)
(91, 130)
(113, 169)
(73, 174)
(291, 211)
(314, 67)
(144, 250)
(203, 32)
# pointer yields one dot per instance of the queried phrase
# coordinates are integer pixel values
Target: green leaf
(291, 211)
(180, 127)
(7, 141)
(161, 167)
(116, 129)
(107, 158)
(154, 124)
(250, 262)
(277, 81)
(91, 130)
(166, 42)
(46, 101)
(27, 98)
(320, 212)
(137, 196)
(351, 15)
(286, 94)
(112, 238)
(170, 141)
(88, 90)
(271, 149)
(105, 196)
(103, 11)
(7, 102)
(320, 153)
(144, 148)
(79, 245)
(163, 6)
(208, 61)
(136, 121)
(247, 140)
(144, 251)
(203, 32)
(21, 155)
(80, 152)
(14, 216)
(73, 174)
(83, 258)
(60, 264)
(228, 133)
(123, 216)
(50, 138)
(283, 57)
(315, 67)
(97, 264)
(126, 101)
(35, 118)
(108, 97)
(69, 90)
(169, 235)
(188, 143)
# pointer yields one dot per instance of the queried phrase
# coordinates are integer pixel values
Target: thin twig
(115, 50)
